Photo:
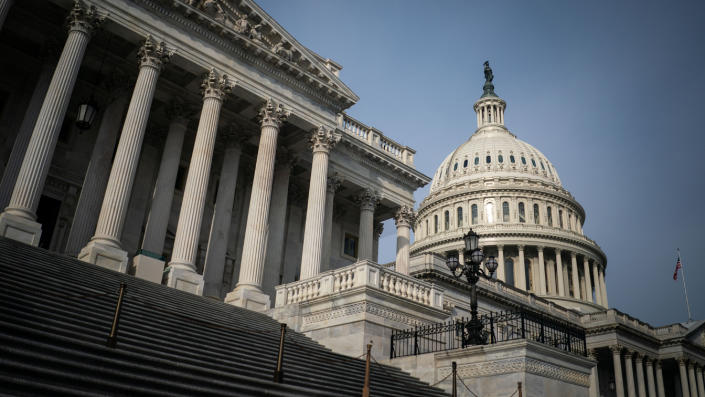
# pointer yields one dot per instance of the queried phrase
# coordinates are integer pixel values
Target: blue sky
(611, 92)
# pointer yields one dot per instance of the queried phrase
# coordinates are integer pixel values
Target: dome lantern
(490, 107)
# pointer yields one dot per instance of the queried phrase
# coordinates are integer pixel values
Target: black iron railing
(497, 327)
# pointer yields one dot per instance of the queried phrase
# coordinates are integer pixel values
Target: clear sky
(612, 92)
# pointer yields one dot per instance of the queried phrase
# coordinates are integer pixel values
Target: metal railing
(497, 327)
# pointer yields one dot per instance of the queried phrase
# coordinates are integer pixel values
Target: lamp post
(472, 271)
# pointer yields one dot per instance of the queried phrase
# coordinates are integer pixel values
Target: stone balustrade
(376, 139)
(360, 275)
(612, 316)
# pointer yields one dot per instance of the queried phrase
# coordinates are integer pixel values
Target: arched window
(533, 162)
(446, 220)
(542, 167)
(488, 159)
(549, 216)
(570, 221)
(473, 214)
(455, 167)
(435, 223)
(465, 163)
(460, 216)
(500, 158)
(477, 160)
(560, 218)
(536, 214)
(523, 160)
(522, 213)
(511, 158)
(489, 212)
(427, 232)
(505, 212)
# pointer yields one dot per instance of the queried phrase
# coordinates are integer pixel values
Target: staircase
(56, 313)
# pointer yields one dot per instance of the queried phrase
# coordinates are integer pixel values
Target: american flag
(678, 266)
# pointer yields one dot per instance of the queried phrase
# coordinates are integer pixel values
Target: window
(533, 162)
(460, 216)
(542, 167)
(549, 217)
(350, 245)
(560, 218)
(446, 220)
(455, 167)
(522, 213)
(511, 159)
(500, 158)
(523, 160)
(505, 212)
(473, 214)
(465, 163)
(570, 221)
(477, 160)
(489, 212)
(488, 159)
(427, 233)
(435, 223)
(536, 214)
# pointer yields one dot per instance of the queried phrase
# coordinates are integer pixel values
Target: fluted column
(405, 217)
(684, 376)
(603, 287)
(322, 141)
(104, 249)
(378, 230)
(368, 201)
(659, 380)
(596, 279)
(640, 382)
(617, 364)
(18, 221)
(333, 185)
(520, 270)
(248, 292)
(542, 272)
(700, 381)
(631, 388)
(5, 6)
(594, 380)
(575, 277)
(651, 385)
(182, 267)
(691, 376)
(24, 134)
(588, 282)
(500, 263)
(559, 272)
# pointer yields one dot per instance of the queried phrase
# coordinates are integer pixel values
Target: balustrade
(376, 139)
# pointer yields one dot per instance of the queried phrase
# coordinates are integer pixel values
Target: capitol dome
(509, 193)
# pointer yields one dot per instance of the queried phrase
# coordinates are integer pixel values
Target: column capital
(405, 216)
(539, 248)
(648, 361)
(573, 255)
(323, 139)
(657, 363)
(628, 354)
(592, 353)
(273, 114)
(521, 247)
(558, 251)
(500, 247)
(368, 200)
(683, 360)
(83, 18)
(378, 229)
(153, 54)
(333, 183)
(616, 348)
(638, 357)
(215, 86)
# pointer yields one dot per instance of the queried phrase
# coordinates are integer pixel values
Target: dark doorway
(47, 214)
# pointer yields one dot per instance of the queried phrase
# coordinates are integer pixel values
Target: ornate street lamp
(85, 114)
(472, 271)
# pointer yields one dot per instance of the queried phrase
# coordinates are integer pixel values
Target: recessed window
(477, 160)
(455, 167)
(523, 160)
(446, 220)
(522, 213)
(350, 245)
(473, 211)
(542, 167)
(536, 214)
(488, 159)
(500, 158)
(533, 162)
(511, 159)
(560, 218)
(570, 221)
(465, 163)
(427, 233)
(460, 216)
(549, 216)
(435, 223)
(505, 212)
(489, 212)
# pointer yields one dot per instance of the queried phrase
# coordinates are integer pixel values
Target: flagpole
(685, 289)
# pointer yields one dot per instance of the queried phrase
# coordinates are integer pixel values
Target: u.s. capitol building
(197, 144)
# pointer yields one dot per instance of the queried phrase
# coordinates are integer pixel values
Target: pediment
(696, 334)
(251, 28)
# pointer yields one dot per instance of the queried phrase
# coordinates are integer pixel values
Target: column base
(249, 297)
(104, 255)
(183, 278)
(20, 228)
(148, 267)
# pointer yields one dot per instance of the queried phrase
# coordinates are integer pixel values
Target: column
(248, 292)
(631, 389)
(542, 272)
(5, 6)
(104, 248)
(684, 376)
(181, 272)
(574, 275)
(603, 287)
(617, 361)
(18, 221)
(588, 282)
(368, 201)
(333, 184)
(500, 263)
(641, 384)
(149, 263)
(650, 376)
(96, 178)
(322, 141)
(378, 230)
(551, 278)
(559, 271)
(520, 270)
(699, 380)
(594, 380)
(222, 219)
(19, 146)
(582, 287)
(659, 380)
(691, 377)
(404, 218)
(596, 280)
